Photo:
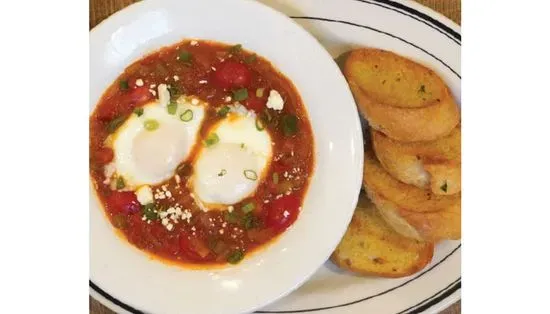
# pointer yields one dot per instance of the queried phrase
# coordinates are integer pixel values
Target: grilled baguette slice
(401, 98)
(412, 212)
(433, 165)
(371, 247)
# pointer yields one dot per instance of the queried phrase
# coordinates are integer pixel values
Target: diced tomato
(124, 203)
(231, 74)
(104, 155)
(140, 95)
(255, 103)
(192, 247)
(283, 212)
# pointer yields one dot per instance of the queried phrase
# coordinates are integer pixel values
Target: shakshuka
(201, 152)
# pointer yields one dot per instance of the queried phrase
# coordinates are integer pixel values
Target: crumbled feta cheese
(228, 99)
(164, 95)
(178, 179)
(286, 213)
(176, 78)
(230, 209)
(164, 221)
(163, 215)
(194, 43)
(213, 68)
(139, 82)
(153, 86)
(275, 101)
(144, 195)
(169, 226)
(171, 210)
(221, 231)
(168, 194)
(203, 82)
(194, 101)
(108, 171)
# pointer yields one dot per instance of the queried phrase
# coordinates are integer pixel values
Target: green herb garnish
(223, 111)
(444, 187)
(185, 56)
(222, 173)
(260, 126)
(250, 59)
(172, 107)
(231, 217)
(115, 123)
(250, 175)
(187, 115)
(151, 124)
(248, 207)
(235, 49)
(150, 211)
(138, 111)
(289, 124)
(120, 183)
(123, 85)
(240, 94)
(250, 221)
(235, 257)
(211, 139)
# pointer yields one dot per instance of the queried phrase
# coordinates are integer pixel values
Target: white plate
(128, 274)
(419, 33)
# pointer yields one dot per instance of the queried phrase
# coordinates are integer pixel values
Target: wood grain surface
(101, 9)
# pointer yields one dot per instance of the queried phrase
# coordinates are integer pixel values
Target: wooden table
(101, 9)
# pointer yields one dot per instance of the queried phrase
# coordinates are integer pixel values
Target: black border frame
(451, 288)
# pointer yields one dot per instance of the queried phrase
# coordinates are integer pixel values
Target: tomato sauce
(212, 72)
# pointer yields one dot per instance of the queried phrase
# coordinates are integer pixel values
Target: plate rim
(446, 296)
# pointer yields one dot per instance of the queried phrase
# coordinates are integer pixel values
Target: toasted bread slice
(398, 205)
(371, 247)
(428, 226)
(405, 196)
(433, 165)
(403, 99)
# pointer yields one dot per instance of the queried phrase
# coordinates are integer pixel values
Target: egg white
(148, 157)
(219, 170)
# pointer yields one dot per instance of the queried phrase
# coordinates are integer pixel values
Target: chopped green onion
(172, 107)
(235, 49)
(187, 115)
(115, 123)
(260, 126)
(231, 217)
(150, 211)
(138, 111)
(250, 221)
(222, 173)
(223, 111)
(248, 207)
(242, 145)
(275, 178)
(174, 92)
(240, 94)
(185, 56)
(290, 124)
(211, 139)
(235, 257)
(120, 183)
(151, 124)
(250, 59)
(250, 175)
(260, 92)
(123, 85)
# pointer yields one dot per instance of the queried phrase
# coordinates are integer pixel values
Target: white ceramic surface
(138, 283)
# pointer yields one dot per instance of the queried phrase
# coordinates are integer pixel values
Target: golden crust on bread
(428, 226)
(371, 247)
(405, 196)
(403, 99)
(433, 165)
